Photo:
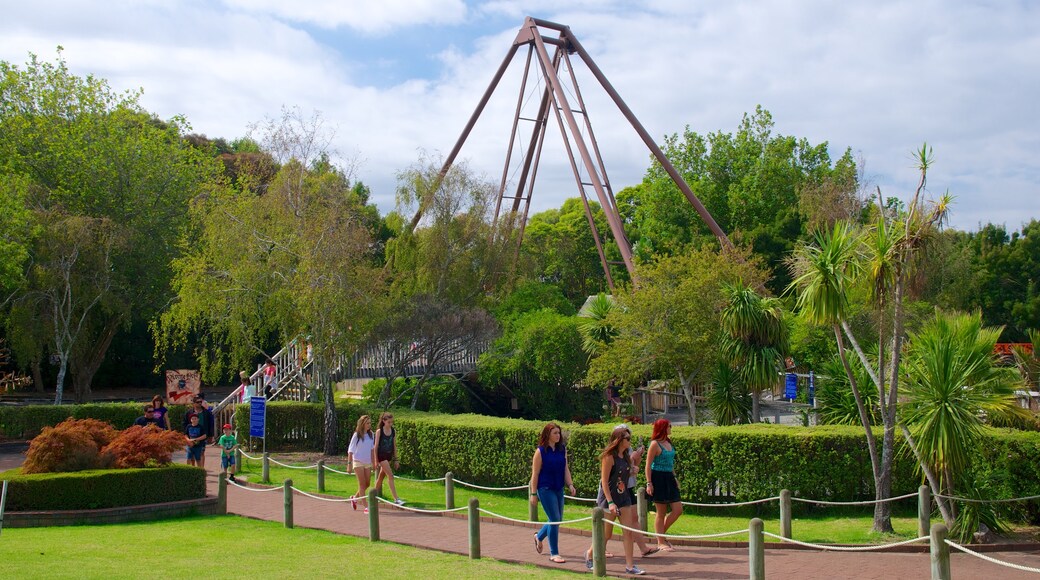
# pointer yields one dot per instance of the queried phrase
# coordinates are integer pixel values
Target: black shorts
(623, 499)
(666, 488)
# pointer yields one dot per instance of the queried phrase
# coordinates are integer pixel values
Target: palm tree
(728, 398)
(953, 384)
(596, 331)
(754, 340)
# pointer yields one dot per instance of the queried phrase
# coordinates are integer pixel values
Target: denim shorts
(226, 460)
(195, 453)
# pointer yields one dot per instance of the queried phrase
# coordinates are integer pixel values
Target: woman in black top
(386, 452)
(614, 471)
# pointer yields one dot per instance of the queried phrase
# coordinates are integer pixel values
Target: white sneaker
(399, 501)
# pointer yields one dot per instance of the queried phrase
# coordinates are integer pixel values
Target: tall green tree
(954, 382)
(754, 339)
(296, 260)
(77, 149)
(882, 261)
(668, 321)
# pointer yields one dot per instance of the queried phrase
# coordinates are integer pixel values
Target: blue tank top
(665, 460)
(554, 463)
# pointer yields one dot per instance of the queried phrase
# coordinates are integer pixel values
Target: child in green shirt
(228, 444)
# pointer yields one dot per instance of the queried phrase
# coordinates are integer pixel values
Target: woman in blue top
(549, 473)
(661, 485)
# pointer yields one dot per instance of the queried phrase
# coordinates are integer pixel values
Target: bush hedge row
(26, 422)
(743, 462)
(103, 488)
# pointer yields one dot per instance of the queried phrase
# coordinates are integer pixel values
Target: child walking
(228, 444)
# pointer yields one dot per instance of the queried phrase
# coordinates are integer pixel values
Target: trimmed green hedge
(103, 488)
(26, 422)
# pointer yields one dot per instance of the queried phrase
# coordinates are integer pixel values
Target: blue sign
(257, 416)
(791, 386)
(812, 387)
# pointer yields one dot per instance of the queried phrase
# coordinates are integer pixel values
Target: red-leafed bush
(144, 447)
(72, 445)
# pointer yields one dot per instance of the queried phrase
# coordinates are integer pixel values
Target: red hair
(661, 430)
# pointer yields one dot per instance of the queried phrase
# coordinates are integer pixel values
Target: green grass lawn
(831, 525)
(199, 546)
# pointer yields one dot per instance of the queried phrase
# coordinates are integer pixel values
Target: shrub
(143, 447)
(26, 422)
(72, 445)
(103, 489)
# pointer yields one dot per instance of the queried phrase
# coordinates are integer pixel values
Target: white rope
(248, 456)
(575, 498)
(993, 560)
(768, 499)
(970, 500)
(276, 462)
(415, 480)
(475, 486)
(247, 488)
(865, 502)
(419, 510)
(676, 536)
(327, 468)
(301, 492)
(844, 548)
(509, 519)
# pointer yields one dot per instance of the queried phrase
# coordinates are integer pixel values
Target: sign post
(791, 386)
(812, 389)
(258, 418)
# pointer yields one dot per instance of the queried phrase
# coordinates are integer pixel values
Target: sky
(394, 80)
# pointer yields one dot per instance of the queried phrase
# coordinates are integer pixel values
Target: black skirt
(666, 488)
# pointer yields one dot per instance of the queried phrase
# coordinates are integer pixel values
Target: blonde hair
(360, 429)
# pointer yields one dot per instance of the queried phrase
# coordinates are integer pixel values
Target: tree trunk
(933, 482)
(331, 425)
(37, 375)
(883, 484)
(861, 407)
(85, 367)
(59, 389)
(756, 412)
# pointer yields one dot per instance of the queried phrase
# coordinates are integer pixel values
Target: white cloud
(364, 15)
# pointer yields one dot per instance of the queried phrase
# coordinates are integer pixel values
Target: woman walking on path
(361, 456)
(549, 473)
(160, 411)
(386, 452)
(661, 485)
(614, 471)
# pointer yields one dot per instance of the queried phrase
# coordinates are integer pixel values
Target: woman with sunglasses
(386, 452)
(549, 473)
(614, 471)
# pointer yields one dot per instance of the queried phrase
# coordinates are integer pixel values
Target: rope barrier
(509, 519)
(247, 488)
(248, 456)
(971, 500)
(844, 548)
(742, 503)
(327, 468)
(418, 480)
(475, 486)
(276, 462)
(676, 536)
(576, 498)
(864, 502)
(992, 560)
(420, 510)
(301, 492)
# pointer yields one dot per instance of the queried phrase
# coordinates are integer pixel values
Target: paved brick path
(513, 543)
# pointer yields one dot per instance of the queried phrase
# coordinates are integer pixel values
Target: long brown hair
(382, 418)
(162, 403)
(543, 439)
(617, 437)
(360, 429)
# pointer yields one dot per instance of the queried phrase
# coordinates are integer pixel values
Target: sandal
(651, 551)
(537, 544)
(558, 559)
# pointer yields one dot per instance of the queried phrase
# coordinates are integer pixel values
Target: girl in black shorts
(386, 452)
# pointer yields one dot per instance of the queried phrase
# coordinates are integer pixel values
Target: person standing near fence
(549, 474)
(361, 456)
(661, 485)
(386, 453)
(614, 472)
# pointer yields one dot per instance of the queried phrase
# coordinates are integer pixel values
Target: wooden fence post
(373, 515)
(265, 471)
(785, 513)
(3, 503)
(321, 476)
(474, 528)
(449, 491)
(642, 507)
(222, 493)
(756, 550)
(599, 544)
(288, 517)
(940, 553)
(924, 510)
(532, 509)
